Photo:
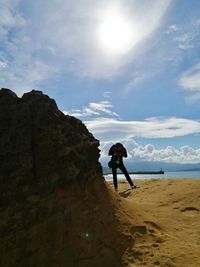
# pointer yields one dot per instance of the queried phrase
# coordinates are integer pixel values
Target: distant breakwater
(140, 172)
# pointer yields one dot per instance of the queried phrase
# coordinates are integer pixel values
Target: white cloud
(103, 106)
(9, 18)
(172, 29)
(27, 77)
(196, 22)
(148, 152)
(184, 154)
(21, 69)
(62, 34)
(190, 81)
(86, 112)
(185, 46)
(185, 41)
(3, 64)
(138, 78)
(183, 38)
(94, 108)
(107, 94)
(188, 38)
(112, 130)
(179, 43)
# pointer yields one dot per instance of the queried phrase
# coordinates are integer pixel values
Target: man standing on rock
(118, 151)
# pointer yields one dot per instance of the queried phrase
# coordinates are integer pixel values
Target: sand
(167, 232)
(157, 224)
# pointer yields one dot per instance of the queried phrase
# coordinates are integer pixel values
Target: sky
(129, 69)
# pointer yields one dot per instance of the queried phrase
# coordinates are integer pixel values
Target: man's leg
(114, 171)
(128, 178)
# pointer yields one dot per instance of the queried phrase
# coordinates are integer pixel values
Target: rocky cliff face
(55, 209)
(41, 146)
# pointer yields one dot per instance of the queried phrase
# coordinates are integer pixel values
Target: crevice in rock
(33, 143)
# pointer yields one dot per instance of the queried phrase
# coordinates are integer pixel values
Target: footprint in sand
(138, 229)
(153, 225)
(190, 211)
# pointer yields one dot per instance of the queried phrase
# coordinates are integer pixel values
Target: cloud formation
(106, 129)
(148, 152)
(185, 38)
(44, 39)
(9, 17)
(94, 108)
(190, 81)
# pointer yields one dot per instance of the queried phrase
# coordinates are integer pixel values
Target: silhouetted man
(118, 151)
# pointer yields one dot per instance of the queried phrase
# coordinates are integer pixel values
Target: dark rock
(40, 147)
(51, 189)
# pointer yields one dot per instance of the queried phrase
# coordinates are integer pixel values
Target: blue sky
(130, 70)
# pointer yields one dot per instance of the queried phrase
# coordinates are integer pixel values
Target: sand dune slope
(168, 229)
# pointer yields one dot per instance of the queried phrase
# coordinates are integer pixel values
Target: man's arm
(110, 153)
(124, 152)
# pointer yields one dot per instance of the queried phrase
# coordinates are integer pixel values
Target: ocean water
(179, 174)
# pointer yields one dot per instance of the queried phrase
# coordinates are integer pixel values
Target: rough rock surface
(55, 209)
(42, 146)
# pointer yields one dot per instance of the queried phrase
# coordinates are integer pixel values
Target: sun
(116, 33)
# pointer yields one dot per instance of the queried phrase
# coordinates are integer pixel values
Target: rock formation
(55, 208)
(41, 143)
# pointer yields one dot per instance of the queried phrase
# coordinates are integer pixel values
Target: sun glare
(116, 33)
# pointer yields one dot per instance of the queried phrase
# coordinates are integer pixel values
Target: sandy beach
(168, 215)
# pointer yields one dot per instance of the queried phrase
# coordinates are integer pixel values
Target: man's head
(118, 145)
(118, 148)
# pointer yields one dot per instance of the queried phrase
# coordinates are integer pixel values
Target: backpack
(112, 164)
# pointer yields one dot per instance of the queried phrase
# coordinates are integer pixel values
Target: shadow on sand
(125, 193)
